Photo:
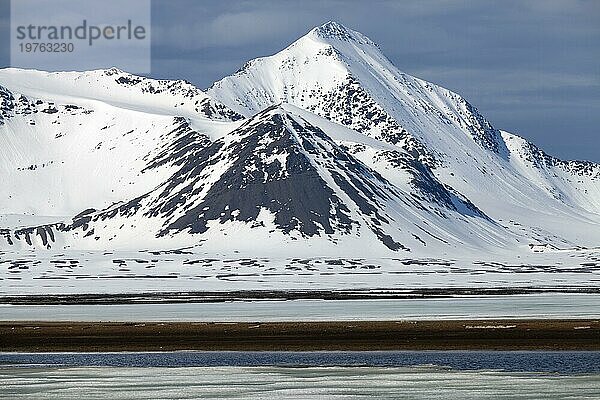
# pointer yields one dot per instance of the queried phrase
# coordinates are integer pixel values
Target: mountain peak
(335, 30)
(332, 28)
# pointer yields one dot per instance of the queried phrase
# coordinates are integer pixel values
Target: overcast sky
(531, 67)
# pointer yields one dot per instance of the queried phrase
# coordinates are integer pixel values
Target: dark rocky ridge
(12, 105)
(295, 193)
(350, 105)
(542, 160)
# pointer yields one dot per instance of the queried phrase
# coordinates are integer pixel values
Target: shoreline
(281, 295)
(466, 334)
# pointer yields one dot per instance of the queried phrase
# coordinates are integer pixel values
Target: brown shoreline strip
(302, 336)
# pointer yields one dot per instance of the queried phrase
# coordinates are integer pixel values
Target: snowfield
(183, 271)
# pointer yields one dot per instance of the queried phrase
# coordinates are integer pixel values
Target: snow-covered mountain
(322, 148)
(341, 75)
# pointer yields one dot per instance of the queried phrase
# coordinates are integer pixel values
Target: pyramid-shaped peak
(337, 31)
(333, 28)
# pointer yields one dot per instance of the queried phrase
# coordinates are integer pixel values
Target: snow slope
(71, 141)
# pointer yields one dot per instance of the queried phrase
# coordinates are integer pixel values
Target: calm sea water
(304, 375)
(561, 362)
